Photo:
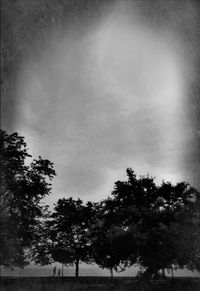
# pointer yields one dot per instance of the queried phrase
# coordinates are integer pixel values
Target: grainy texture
(98, 283)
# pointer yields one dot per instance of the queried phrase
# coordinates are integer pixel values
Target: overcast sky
(101, 86)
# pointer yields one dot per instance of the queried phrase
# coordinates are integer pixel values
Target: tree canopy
(155, 227)
(23, 186)
(69, 232)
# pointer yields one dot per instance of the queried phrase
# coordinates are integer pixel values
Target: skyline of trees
(141, 223)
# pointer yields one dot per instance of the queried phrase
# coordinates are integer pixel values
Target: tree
(41, 245)
(69, 231)
(135, 206)
(111, 242)
(152, 221)
(22, 188)
(187, 230)
(162, 215)
(63, 255)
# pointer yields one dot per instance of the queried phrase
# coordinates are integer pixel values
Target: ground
(97, 283)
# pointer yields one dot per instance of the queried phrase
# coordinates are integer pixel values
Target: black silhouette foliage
(23, 185)
(69, 232)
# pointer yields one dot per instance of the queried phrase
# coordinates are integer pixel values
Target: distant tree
(69, 232)
(23, 186)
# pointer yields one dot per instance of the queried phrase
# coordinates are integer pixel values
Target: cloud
(99, 101)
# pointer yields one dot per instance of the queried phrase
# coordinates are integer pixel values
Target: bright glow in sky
(97, 103)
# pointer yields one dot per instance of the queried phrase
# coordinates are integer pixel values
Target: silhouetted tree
(153, 223)
(22, 188)
(187, 228)
(41, 251)
(69, 231)
(111, 242)
(161, 214)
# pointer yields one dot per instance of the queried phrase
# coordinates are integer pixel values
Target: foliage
(41, 247)
(69, 231)
(154, 226)
(110, 242)
(22, 188)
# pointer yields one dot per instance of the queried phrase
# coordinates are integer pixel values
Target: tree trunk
(77, 268)
(62, 270)
(111, 272)
(163, 272)
(172, 272)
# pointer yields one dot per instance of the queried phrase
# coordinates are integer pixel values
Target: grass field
(97, 283)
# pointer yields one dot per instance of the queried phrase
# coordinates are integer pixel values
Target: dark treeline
(141, 223)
